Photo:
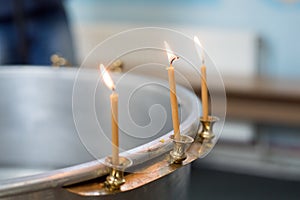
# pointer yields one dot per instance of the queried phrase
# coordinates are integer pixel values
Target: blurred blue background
(275, 21)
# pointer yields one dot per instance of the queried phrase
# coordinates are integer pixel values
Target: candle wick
(175, 58)
(113, 89)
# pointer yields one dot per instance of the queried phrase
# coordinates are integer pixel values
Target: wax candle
(173, 97)
(114, 114)
(204, 93)
(204, 96)
(114, 127)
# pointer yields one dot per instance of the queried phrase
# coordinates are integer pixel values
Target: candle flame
(170, 54)
(106, 77)
(199, 49)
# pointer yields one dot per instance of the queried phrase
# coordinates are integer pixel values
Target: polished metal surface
(42, 152)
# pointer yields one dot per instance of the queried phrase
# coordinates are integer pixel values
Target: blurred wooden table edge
(261, 99)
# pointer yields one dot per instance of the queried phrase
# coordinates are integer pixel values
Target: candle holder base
(116, 177)
(178, 154)
(206, 133)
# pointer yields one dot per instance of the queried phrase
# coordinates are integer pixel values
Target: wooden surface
(262, 100)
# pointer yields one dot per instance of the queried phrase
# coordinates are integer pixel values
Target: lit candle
(204, 97)
(114, 114)
(173, 97)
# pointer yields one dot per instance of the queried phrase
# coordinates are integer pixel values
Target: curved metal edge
(159, 167)
(91, 170)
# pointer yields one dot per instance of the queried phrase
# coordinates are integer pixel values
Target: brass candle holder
(116, 177)
(178, 154)
(206, 133)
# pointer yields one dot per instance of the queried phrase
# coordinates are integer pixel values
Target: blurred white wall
(234, 52)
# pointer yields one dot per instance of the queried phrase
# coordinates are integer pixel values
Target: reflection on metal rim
(25, 86)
